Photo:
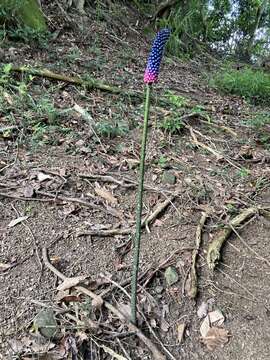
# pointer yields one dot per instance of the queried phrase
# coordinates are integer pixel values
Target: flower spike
(154, 60)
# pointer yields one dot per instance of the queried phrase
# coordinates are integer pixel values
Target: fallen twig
(145, 223)
(105, 233)
(89, 119)
(209, 149)
(165, 263)
(213, 253)
(236, 282)
(142, 314)
(97, 84)
(34, 241)
(109, 179)
(158, 209)
(157, 355)
(55, 197)
(90, 83)
(249, 247)
(193, 290)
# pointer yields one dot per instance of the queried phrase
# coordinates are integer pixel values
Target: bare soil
(239, 286)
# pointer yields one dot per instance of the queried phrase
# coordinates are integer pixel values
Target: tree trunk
(251, 39)
(26, 12)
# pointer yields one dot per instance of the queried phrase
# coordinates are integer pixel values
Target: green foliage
(176, 100)
(237, 28)
(26, 13)
(259, 120)
(162, 162)
(111, 130)
(243, 172)
(252, 85)
(26, 35)
(172, 124)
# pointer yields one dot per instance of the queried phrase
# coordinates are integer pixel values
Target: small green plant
(74, 54)
(5, 75)
(243, 172)
(111, 130)
(232, 210)
(176, 100)
(47, 134)
(162, 161)
(252, 85)
(201, 111)
(262, 183)
(260, 122)
(172, 124)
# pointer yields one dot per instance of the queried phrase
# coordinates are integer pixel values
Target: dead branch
(213, 253)
(55, 197)
(99, 85)
(157, 355)
(219, 156)
(158, 209)
(81, 202)
(90, 83)
(193, 290)
(110, 179)
(105, 233)
(145, 223)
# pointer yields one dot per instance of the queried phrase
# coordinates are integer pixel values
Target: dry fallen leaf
(202, 310)
(17, 221)
(216, 318)
(164, 325)
(71, 282)
(8, 98)
(180, 332)
(5, 266)
(42, 177)
(205, 326)
(64, 296)
(105, 194)
(97, 303)
(215, 337)
(28, 191)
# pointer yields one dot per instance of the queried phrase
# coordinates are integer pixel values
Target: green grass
(259, 120)
(111, 129)
(253, 85)
(261, 123)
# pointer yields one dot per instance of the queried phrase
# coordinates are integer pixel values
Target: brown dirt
(240, 285)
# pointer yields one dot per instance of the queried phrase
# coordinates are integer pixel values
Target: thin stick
(157, 355)
(236, 282)
(139, 210)
(249, 247)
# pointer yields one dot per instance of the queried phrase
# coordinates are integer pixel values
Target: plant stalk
(137, 240)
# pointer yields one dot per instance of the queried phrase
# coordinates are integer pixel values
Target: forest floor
(72, 190)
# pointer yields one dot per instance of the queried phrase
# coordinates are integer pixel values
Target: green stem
(137, 241)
